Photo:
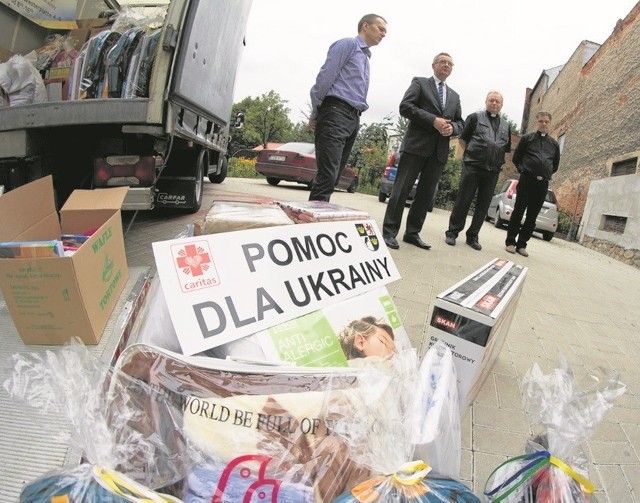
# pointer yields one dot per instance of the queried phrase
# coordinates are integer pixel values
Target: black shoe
(474, 243)
(391, 243)
(416, 241)
(450, 240)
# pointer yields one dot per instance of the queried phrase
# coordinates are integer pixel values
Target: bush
(241, 167)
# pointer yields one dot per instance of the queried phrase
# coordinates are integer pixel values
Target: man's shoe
(511, 248)
(391, 243)
(474, 243)
(523, 252)
(416, 241)
(450, 240)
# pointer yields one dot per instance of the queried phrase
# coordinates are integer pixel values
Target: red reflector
(128, 169)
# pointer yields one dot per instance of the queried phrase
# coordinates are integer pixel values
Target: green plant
(241, 167)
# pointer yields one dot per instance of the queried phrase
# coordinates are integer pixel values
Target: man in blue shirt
(338, 98)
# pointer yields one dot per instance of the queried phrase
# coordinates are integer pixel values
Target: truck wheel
(224, 168)
(273, 181)
(198, 184)
(382, 197)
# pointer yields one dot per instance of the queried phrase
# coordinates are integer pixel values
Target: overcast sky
(495, 44)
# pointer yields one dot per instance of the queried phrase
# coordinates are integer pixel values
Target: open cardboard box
(53, 299)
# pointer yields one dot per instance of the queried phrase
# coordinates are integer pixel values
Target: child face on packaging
(376, 342)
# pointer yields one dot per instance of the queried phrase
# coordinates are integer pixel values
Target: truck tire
(198, 185)
(222, 174)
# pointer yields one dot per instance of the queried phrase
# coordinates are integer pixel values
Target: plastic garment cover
(140, 66)
(93, 66)
(414, 482)
(554, 467)
(72, 382)
(116, 62)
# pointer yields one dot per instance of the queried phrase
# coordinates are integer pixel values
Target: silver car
(503, 202)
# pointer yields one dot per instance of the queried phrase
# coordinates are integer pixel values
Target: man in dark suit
(434, 114)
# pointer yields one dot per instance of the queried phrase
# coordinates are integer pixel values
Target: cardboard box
(54, 299)
(473, 318)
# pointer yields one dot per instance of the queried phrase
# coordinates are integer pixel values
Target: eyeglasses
(445, 63)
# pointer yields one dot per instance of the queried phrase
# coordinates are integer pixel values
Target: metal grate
(614, 224)
(626, 167)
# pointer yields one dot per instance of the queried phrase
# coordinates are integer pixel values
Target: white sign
(48, 13)
(222, 287)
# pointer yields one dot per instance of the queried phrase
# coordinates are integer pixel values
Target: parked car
(386, 184)
(296, 162)
(503, 202)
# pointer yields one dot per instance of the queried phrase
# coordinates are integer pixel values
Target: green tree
(300, 132)
(448, 185)
(369, 154)
(512, 125)
(265, 120)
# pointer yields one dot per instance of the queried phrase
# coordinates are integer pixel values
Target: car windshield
(299, 147)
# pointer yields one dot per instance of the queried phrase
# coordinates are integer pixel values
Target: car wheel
(382, 197)
(547, 236)
(273, 181)
(498, 222)
(354, 185)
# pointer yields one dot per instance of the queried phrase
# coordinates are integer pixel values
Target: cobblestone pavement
(575, 302)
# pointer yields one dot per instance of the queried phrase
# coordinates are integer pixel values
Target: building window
(561, 142)
(614, 224)
(626, 167)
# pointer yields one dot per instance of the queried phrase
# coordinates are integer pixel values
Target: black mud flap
(175, 193)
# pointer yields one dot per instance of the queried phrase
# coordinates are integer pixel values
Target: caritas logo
(194, 266)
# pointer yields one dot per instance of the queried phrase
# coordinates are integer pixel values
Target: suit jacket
(421, 106)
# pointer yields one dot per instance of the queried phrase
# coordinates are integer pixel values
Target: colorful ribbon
(532, 463)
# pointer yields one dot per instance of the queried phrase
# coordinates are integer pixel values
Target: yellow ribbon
(587, 485)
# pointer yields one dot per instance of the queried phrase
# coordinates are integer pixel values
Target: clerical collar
(543, 134)
(493, 115)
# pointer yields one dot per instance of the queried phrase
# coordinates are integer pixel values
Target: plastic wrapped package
(100, 407)
(116, 62)
(554, 467)
(297, 434)
(21, 81)
(437, 439)
(234, 216)
(414, 482)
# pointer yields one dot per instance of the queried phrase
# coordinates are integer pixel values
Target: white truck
(160, 145)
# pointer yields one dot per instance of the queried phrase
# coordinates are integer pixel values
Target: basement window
(614, 224)
(626, 167)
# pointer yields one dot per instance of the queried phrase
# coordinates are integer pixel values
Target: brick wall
(595, 103)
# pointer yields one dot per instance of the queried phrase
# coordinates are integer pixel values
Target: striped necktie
(441, 94)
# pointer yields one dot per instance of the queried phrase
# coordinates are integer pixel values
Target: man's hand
(312, 124)
(443, 126)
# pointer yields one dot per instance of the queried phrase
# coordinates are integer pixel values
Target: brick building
(595, 102)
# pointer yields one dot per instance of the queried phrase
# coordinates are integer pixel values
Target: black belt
(337, 101)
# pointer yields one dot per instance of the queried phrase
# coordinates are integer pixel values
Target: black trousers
(473, 180)
(409, 167)
(336, 130)
(530, 197)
